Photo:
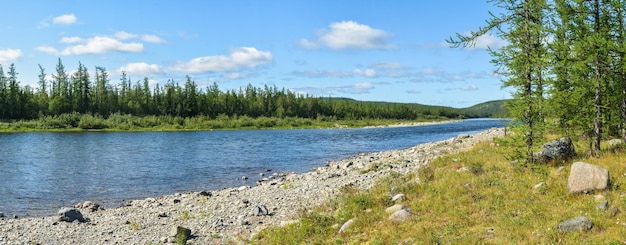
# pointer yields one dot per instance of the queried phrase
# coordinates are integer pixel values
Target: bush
(92, 122)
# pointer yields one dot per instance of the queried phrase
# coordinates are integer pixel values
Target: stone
(70, 215)
(346, 225)
(400, 216)
(585, 177)
(580, 223)
(603, 205)
(260, 211)
(557, 150)
(244, 177)
(176, 201)
(394, 208)
(205, 194)
(539, 185)
(89, 205)
(614, 143)
(1, 215)
(398, 198)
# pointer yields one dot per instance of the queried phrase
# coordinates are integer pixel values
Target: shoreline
(231, 214)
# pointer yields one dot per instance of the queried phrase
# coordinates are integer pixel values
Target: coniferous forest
(84, 99)
(565, 61)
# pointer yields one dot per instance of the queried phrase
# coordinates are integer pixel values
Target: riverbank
(232, 214)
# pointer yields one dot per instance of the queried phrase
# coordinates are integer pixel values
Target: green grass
(119, 122)
(475, 197)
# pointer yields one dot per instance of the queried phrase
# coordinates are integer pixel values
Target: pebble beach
(230, 215)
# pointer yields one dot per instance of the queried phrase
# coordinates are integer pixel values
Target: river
(40, 172)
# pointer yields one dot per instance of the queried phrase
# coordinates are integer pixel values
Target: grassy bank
(476, 197)
(119, 122)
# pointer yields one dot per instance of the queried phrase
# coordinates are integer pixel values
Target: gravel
(229, 215)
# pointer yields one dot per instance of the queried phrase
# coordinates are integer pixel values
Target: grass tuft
(486, 195)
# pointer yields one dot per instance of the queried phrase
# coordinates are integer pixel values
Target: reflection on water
(40, 172)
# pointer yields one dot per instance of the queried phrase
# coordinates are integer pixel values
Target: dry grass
(478, 197)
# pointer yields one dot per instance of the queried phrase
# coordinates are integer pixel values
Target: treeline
(84, 94)
(566, 61)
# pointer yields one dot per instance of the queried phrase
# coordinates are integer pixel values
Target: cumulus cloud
(359, 88)
(488, 41)
(470, 87)
(239, 58)
(389, 66)
(348, 35)
(152, 39)
(66, 19)
(71, 40)
(94, 45)
(365, 73)
(321, 74)
(233, 75)
(9, 55)
(122, 35)
(141, 69)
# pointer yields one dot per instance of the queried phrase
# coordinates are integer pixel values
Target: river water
(40, 172)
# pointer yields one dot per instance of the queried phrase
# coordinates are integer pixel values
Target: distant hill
(494, 108)
(490, 109)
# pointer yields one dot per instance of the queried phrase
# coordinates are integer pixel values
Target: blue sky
(367, 50)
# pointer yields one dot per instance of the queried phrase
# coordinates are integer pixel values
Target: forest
(566, 62)
(67, 100)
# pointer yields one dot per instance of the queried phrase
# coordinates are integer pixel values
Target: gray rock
(400, 216)
(70, 214)
(558, 150)
(615, 143)
(394, 208)
(586, 177)
(580, 223)
(260, 211)
(603, 205)
(346, 225)
(398, 198)
(244, 178)
(1, 215)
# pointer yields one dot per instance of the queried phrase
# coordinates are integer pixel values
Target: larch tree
(521, 62)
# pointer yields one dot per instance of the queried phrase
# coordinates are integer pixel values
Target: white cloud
(488, 41)
(141, 69)
(71, 40)
(66, 19)
(365, 73)
(240, 58)
(94, 45)
(307, 44)
(349, 35)
(321, 74)
(122, 35)
(389, 66)
(360, 88)
(98, 45)
(470, 87)
(233, 75)
(9, 55)
(152, 39)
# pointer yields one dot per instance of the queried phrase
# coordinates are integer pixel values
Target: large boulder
(585, 177)
(70, 215)
(558, 150)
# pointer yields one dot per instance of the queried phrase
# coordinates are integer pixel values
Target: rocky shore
(230, 215)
